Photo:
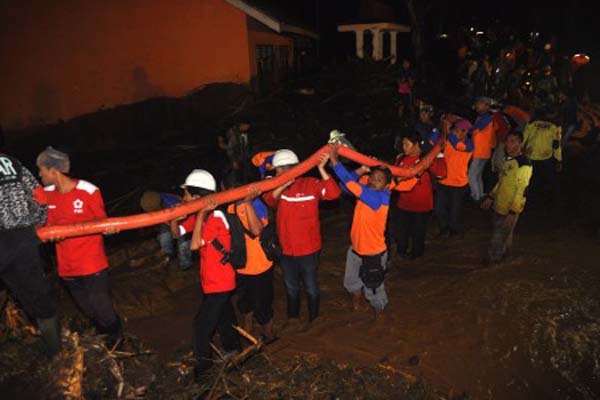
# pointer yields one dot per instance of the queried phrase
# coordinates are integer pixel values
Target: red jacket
(420, 197)
(298, 225)
(502, 126)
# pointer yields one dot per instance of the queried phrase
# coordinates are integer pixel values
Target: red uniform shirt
(298, 226)
(502, 126)
(214, 276)
(83, 255)
(420, 197)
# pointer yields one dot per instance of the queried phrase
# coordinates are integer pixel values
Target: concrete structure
(60, 60)
(377, 30)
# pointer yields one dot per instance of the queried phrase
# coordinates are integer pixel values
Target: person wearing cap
(542, 145)
(299, 231)
(21, 269)
(211, 236)
(368, 229)
(172, 248)
(264, 162)
(450, 190)
(415, 204)
(82, 261)
(484, 140)
(254, 282)
(507, 199)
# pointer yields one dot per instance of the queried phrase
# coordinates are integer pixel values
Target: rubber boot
(50, 329)
(113, 334)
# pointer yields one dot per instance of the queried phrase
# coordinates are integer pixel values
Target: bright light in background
(480, 33)
(472, 29)
(443, 36)
(580, 55)
(580, 59)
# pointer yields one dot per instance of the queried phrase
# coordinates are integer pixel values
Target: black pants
(544, 186)
(21, 271)
(215, 314)
(303, 270)
(411, 229)
(391, 226)
(255, 295)
(448, 207)
(92, 295)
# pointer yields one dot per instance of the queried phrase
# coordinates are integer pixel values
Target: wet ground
(525, 329)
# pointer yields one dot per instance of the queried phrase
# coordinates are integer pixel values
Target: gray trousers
(502, 237)
(353, 283)
(498, 157)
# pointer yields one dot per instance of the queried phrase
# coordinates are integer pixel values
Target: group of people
(387, 209)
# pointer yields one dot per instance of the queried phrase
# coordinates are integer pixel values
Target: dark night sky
(572, 21)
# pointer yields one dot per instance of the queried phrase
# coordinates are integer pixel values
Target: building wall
(62, 59)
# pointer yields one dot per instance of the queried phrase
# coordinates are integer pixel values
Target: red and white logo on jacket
(78, 206)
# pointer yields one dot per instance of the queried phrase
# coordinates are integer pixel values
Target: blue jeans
(303, 269)
(167, 245)
(476, 177)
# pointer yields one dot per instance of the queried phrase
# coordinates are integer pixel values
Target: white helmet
(202, 179)
(284, 157)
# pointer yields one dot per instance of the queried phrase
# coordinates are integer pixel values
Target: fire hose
(162, 216)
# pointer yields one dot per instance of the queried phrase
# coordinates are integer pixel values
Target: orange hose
(158, 217)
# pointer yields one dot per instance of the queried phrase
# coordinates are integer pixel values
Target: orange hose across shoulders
(162, 216)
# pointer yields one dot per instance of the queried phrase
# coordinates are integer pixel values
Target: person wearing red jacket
(212, 238)
(415, 205)
(299, 231)
(82, 262)
(503, 127)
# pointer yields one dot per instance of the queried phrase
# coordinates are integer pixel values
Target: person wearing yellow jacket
(542, 145)
(508, 198)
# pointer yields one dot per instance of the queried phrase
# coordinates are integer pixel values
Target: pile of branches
(86, 368)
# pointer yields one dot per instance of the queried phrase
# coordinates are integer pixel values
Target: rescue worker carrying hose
(82, 261)
(299, 231)
(21, 268)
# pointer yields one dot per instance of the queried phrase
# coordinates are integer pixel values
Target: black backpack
(237, 255)
(270, 243)
(371, 272)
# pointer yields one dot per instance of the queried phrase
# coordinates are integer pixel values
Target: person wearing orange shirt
(450, 191)
(368, 250)
(484, 140)
(254, 282)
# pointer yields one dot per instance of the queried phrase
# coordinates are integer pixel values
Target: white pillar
(377, 44)
(360, 47)
(393, 47)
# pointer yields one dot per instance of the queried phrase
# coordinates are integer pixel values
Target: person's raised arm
(197, 241)
(255, 225)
